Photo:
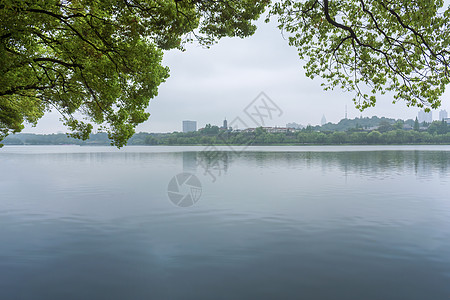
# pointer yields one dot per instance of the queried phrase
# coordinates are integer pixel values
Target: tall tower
(225, 124)
(323, 121)
(346, 112)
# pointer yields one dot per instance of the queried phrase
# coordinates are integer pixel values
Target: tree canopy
(100, 62)
(373, 46)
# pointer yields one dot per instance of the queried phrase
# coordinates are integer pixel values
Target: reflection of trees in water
(362, 162)
(214, 163)
(97, 157)
(423, 163)
(367, 163)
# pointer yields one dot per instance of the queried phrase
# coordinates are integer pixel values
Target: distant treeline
(365, 123)
(261, 137)
(357, 132)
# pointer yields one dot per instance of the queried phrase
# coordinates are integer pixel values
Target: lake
(350, 222)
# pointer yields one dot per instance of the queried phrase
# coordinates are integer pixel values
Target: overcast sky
(207, 85)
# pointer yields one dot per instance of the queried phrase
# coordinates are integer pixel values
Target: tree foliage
(373, 46)
(438, 132)
(99, 62)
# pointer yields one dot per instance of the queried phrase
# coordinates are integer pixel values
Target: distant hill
(363, 123)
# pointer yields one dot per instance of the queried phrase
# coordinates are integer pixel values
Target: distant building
(407, 127)
(443, 115)
(425, 116)
(225, 124)
(323, 121)
(294, 125)
(276, 129)
(189, 126)
(447, 120)
(270, 129)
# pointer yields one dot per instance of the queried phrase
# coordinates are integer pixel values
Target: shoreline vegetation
(358, 131)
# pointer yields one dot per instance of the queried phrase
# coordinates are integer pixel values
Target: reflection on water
(368, 163)
(97, 224)
(190, 162)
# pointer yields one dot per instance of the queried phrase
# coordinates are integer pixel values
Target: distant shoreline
(230, 145)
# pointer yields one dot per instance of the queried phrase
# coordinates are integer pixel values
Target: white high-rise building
(189, 126)
(323, 121)
(443, 115)
(425, 116)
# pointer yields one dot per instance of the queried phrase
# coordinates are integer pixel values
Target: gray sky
(207, 85)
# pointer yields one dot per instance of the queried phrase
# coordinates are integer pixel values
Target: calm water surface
(271, 223)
